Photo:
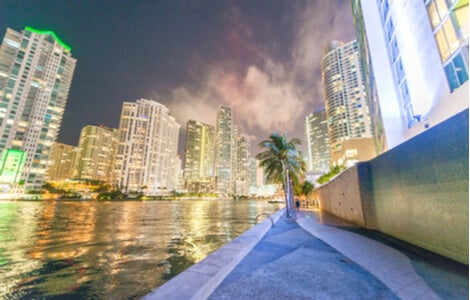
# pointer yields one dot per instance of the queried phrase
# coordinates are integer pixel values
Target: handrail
(267, 215)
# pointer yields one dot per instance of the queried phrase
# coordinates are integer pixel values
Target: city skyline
(262, 60)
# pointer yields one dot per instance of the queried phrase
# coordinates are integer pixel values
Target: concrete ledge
(201, 279)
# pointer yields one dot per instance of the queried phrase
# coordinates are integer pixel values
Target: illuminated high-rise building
(147, 159)
(253, 176)
(318, 146)
(97, 150)
(347, 105)
(199, 157)
(36, 70)
(224, 151)
(243, 167)
(61, 163)
(418, 51)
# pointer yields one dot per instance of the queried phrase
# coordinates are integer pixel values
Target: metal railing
(266, 215)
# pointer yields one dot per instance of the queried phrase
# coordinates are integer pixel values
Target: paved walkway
(315, 256)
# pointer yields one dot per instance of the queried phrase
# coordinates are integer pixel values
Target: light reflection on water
(111, 250)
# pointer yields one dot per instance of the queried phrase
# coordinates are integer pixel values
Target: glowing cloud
(267, 92)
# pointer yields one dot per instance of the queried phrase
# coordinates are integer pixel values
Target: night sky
(260, 57)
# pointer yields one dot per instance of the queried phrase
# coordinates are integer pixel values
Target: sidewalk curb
(201, 279)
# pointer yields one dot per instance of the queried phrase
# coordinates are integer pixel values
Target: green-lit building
(36, 70)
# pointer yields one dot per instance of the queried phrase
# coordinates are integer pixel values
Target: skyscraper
(61, 163)
(224, 151)
(243, 167)
(419, 56)
(318, 146)
(346, 103)
(97, 150)
(36, 72)
(147, 160)
(199, 157)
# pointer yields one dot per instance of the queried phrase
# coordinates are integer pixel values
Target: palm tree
(282, 162)
(307, 189)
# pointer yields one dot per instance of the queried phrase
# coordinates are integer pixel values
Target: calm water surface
(110, 250)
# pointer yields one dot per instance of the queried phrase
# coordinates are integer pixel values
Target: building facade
(224, 151)
(147, 154)
(62, 161)
(97, 151)
(318, 145)
(419, 57)
(243, 167)
(199, 158)
(36, 73)
(346, 104)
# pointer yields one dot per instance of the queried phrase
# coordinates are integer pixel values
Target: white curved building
(418, 53)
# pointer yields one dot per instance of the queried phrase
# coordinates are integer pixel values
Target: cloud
(265, 93)
(264, 100)
(187, 104)
(318, 24)
(313, 30)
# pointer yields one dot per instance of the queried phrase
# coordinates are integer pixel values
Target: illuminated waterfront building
(318, 146)
(346, 105)
(36, 70)
(224, 151)
(61, 163)
(253, 176)
(243, 167)
(418, 52)
(97, 150)
(147, 159)
(199, 157)
(11, 164)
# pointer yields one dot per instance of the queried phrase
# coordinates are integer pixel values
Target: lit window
(452, 39)
(441, 7)
(460, 17)
(351, 153)
(442, 44)
(433, 15)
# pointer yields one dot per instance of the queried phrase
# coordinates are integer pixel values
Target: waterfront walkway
(316, 256)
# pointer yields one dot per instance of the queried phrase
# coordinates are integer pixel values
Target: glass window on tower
(395, 49)
(451, 35)
(385, 10)
(390, 28)
(441, 7)
(460, 15)
(442, 44)
(433, 15)
(456, 72)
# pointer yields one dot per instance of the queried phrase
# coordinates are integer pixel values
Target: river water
(111, 250)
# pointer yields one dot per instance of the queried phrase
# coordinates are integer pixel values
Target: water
(110, 250)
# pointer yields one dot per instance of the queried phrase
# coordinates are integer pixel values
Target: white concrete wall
(342, 198)
(416, 192)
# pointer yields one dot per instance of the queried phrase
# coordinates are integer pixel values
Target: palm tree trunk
(286, 188)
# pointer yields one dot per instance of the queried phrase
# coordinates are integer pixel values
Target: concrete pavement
(316, 256)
